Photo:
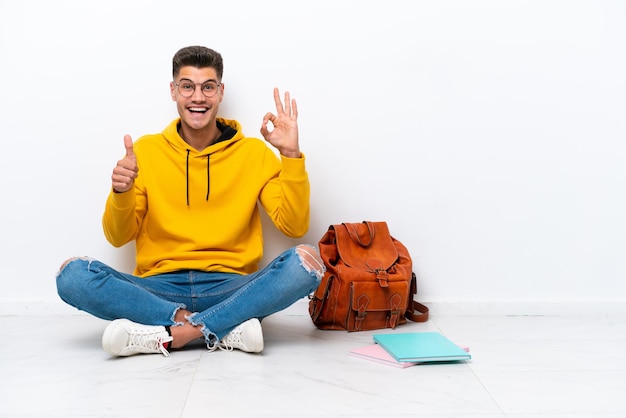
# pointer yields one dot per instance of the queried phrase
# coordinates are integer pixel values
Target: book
(378, 354)
(421, 347)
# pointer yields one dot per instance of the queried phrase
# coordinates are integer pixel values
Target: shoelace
(153, 341)
(228, 342)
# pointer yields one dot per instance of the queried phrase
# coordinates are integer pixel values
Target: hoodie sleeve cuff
(122, 200)
(294, 167)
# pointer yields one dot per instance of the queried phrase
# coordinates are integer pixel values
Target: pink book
(378, 354)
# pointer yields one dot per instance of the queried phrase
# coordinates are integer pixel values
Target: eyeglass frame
(217, 87)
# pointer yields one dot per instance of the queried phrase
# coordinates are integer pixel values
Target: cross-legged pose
(190, 199)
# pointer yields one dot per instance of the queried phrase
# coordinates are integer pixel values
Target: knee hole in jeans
(310, 259)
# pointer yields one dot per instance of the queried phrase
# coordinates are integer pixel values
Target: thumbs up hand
(125, 172)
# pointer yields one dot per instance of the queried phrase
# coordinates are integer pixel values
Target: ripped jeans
(218, 301)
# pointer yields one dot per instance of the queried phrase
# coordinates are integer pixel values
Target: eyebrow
(204, 82)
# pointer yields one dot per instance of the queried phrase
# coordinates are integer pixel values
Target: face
(197, 112)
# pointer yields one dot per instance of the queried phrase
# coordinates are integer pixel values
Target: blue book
(421, 347)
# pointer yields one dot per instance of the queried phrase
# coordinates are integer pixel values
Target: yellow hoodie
(197, 210)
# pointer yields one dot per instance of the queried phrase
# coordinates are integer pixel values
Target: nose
(197, 95)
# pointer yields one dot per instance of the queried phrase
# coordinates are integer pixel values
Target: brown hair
(199, 57)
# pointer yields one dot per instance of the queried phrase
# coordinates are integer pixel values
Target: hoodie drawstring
(208, 177)
(187, 174)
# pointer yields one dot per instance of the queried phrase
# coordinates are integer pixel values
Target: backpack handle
(354, 234)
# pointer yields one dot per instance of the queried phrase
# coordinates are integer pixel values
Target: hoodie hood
(230, 133)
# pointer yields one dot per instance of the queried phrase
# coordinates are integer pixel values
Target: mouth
(198, 109)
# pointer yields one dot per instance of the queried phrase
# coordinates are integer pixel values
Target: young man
(190, 199)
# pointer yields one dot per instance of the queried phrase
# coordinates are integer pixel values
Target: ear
(173, 90)
(221, 92)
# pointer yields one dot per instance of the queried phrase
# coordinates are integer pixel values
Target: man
(190, 199)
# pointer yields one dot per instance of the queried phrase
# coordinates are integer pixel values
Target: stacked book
(408, 349)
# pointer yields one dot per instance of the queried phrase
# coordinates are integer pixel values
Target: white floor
(522, 366)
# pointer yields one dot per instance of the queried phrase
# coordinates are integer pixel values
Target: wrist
(291, 154)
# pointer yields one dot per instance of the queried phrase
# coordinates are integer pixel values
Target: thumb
(128, 144)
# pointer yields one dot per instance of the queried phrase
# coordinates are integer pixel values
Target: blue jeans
(218, 301)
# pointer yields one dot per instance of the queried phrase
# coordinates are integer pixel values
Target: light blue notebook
(421, 347)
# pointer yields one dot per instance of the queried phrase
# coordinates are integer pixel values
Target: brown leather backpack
(369, 282)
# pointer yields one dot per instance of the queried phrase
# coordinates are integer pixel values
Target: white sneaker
(125, 338)
(248, 337)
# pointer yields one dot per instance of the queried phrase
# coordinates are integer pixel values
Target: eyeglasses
(187, 88)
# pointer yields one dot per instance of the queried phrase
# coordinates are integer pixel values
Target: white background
(490, 135)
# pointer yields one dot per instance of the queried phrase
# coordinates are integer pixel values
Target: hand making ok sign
(284, 136)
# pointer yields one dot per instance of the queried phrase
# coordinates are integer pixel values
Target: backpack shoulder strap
(415, 311)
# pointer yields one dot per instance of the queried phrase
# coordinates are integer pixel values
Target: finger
(122, 179)
(287, 104)
(128, 144)
(294, 109)
(264, 131)
(269, 117)
(126, 168)
(279, 104)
